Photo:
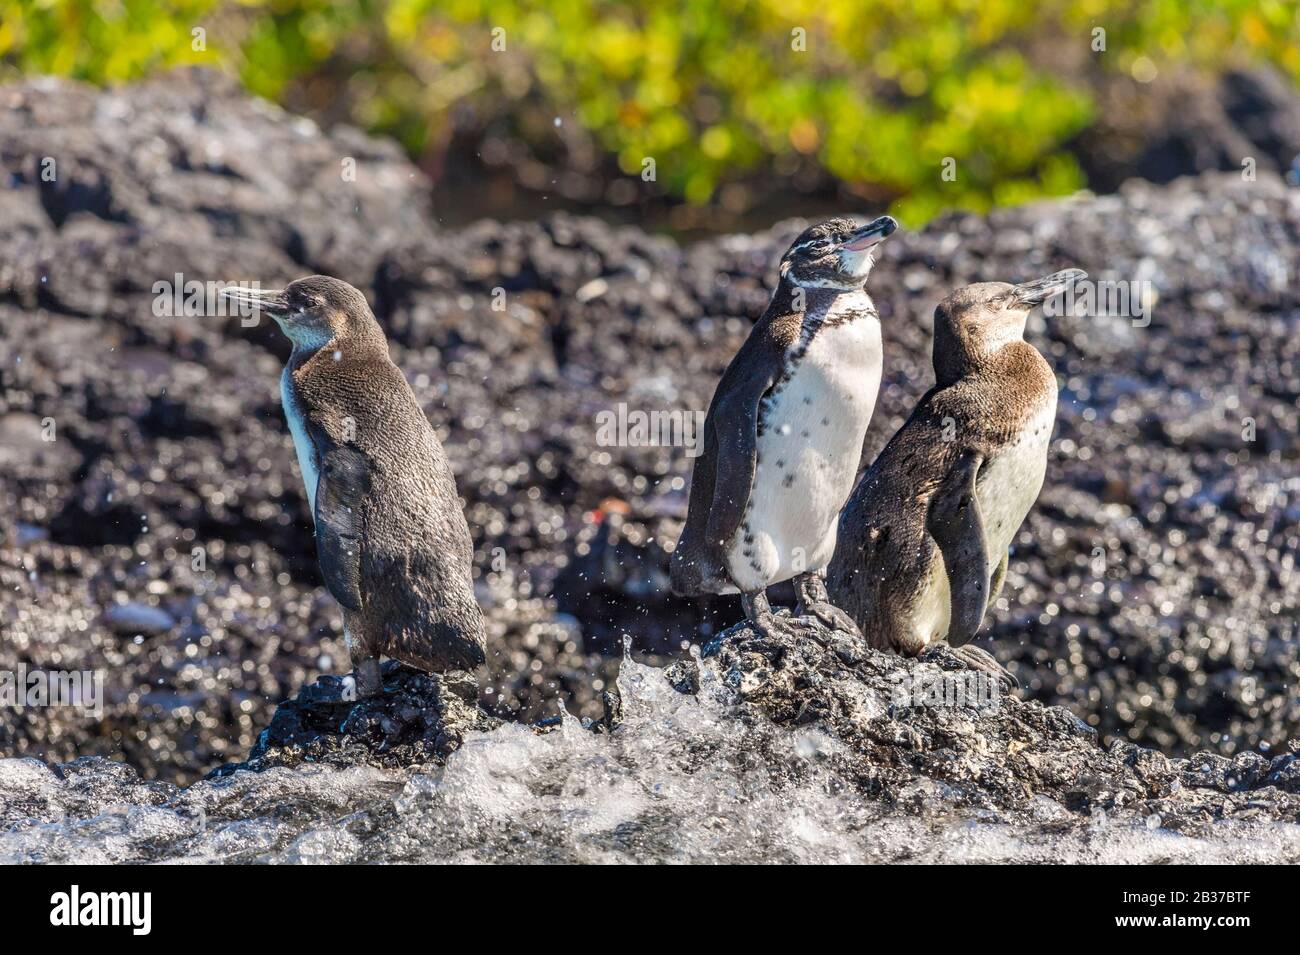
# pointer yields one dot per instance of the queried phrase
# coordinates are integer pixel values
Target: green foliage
(876, 94)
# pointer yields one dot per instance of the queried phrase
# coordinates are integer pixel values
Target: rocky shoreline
(814, 748)
(162, 537)
(915, 737)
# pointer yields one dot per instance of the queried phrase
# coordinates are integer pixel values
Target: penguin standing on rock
(784, 432)
(923, 541)
(391, 537)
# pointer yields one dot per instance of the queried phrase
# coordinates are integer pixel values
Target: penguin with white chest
(923, 541)
(784, 433)
(391, 538)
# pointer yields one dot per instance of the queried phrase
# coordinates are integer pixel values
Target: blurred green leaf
(715, 91)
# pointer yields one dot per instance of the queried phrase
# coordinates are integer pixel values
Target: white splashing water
(683, 779)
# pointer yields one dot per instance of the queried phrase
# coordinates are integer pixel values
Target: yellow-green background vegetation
(714, 90)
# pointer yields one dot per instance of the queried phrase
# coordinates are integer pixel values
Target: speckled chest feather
(810, 432)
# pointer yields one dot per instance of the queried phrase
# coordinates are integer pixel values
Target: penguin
(391, 539)
(924, 539)
(784, 432)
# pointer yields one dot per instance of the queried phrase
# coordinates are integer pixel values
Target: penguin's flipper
(735, 420)
(954, 522)
(723, 475)
(340, 492)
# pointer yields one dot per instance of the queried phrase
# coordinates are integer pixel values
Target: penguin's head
(835, 254)
(313, 310)
(976, 321)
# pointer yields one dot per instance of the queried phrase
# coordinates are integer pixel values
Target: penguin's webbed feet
(761, 617)
(831, 615)
(814, 601)
(983, 661)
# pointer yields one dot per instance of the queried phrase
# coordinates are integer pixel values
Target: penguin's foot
(814, 601)
(368, 679)
(983, 661)
(761, 618)
(831, 615)
(772, 625)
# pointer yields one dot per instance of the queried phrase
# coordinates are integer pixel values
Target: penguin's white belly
(932, 613)
(1009, 483)
(808, 454)
(293, 413)
(1007, 487)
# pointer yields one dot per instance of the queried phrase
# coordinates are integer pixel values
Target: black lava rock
(918, 732)
(418, 718)
(1152, 589)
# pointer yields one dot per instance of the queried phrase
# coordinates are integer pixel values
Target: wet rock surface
(802, 747)
(1152, 590)
(929, 735)
(418, 718)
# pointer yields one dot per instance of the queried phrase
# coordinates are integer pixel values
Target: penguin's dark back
(883, 551)
(413, 523)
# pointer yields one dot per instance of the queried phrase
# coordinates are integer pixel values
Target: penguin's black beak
(273, 303)
(1035, 293)
(870, 234)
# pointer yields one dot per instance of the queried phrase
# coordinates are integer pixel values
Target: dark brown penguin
(923, 540)
(391, 537)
